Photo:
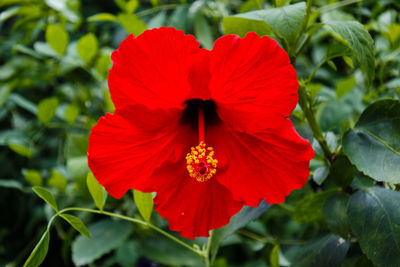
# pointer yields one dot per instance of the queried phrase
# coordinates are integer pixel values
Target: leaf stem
(133, 220)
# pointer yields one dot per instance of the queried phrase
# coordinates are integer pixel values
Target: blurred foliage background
(54, 57)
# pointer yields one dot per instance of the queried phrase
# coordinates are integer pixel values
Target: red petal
(126, 147)
(261, 166)
(192, 208)
(152, 69)
(253, 83)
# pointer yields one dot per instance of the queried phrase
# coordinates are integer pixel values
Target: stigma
(200, 162)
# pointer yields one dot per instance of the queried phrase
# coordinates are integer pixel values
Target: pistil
(200, 162)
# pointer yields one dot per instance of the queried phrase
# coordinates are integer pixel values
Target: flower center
(200, 162)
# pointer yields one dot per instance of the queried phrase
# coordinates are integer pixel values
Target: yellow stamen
(200, 162)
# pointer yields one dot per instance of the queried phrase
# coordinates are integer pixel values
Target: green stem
(133, 220)
(303, 27)
(315, 128)
(156, 9)
(208, 249)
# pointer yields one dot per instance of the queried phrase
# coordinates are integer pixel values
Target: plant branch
(309, 114)
(133, 220)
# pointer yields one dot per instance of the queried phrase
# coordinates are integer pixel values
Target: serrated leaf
(102, 17)
(326, 251)
(373, 146)
(285, 22)
(374, 215)
(88, 47)
(106, 235)
(360, 41)
(39, 252)
(335, 215)
(96, 191)
(77, 224)
(57, 38)
(341, 171)
(47, 109)
(46, 195)
(309, 208)
(144, 202)
(132, 24)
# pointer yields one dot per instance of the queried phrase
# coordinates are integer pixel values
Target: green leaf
(334, 211)
(77, 224)
(21, 149)
(131, 6)
(46, 195)
(203, 32)
(102, 17)
(57, 180)
(96, 191)
(341, 171)
(71, 113)
(359, 40)
(163, 250)
(33, 177)
(57, 38)
(274, 256)
(373, 146)
(88, 47)
(4, 93)
(309, 209)
(132, 23)
(103, 64)
(64, 8)
(326, 251)
(128, 253)
(344, 86)
(144, 202)
(47, 109)
(238, 221)
(241, 26)
(320, 174)
(39, 252)
(374, 215)
(106, 235)
(23, 103)
(285, 22)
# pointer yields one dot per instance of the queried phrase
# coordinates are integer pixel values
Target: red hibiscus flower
(207, 130)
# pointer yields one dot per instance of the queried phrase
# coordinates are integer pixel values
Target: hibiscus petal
(191, 207)
(253, 83)
(126, 147)
(261, 166)
(152, 68)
